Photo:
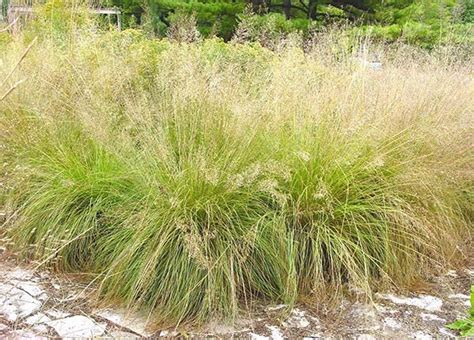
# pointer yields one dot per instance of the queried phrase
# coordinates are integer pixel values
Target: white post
(1, 9)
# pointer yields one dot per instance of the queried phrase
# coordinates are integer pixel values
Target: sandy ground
(37, 304)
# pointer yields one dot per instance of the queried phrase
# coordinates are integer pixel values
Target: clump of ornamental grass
(193, 179)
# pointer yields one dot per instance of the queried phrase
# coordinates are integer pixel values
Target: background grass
(194, 179)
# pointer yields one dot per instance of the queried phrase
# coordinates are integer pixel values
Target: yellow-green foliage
(195, 178)
(61, 19)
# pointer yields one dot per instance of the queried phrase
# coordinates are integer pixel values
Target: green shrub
(269, 29)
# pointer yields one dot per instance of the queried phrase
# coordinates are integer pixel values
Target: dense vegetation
(197, 178)
(423, 22)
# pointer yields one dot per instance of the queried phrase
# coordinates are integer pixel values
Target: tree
(312, 9)
(287, 8)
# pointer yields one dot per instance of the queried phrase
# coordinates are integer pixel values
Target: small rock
(431, 317)
(43, 297)
(466, 298)
(297, 319)
(451, 273)
(166, 333)
(459, 296)
(77, 326)
(254, 336)
(125, 319)
(366, 337)
(447, 332)
(392, 323)
(31, 288)
(57, 314)
(276, 333)
(367, 311)
(315, 320)
(277, 307)
(427, 302)
(20, 274)
(37, 319)
(422, 336)
(40, 328)
(16, 303)
(24, 334)
(366, 315)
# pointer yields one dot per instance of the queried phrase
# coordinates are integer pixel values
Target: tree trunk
(287, 8)
(312, 9)
(258, 6)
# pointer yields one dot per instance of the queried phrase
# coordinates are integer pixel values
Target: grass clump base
(194, 179)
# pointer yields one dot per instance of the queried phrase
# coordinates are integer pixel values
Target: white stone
(18, 273)
(431, 317)
(126, 319)
(42, 297)
(24, 334)
(276, 333)
(169, 333)
(422, 336)
(3, 327)
(452, 273)
(466, 298)
(365, 310)
(37, 318)
(366, 314)
(392, 323)
(31, 288)
(254, 336)
(277, 307)
(57, 314)
(315, 320)
(40, 328)
(447, 332)
(427, 302)
(366, 337)
(297, 319)
(16, 303)
(459, 296)
(77, 326)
